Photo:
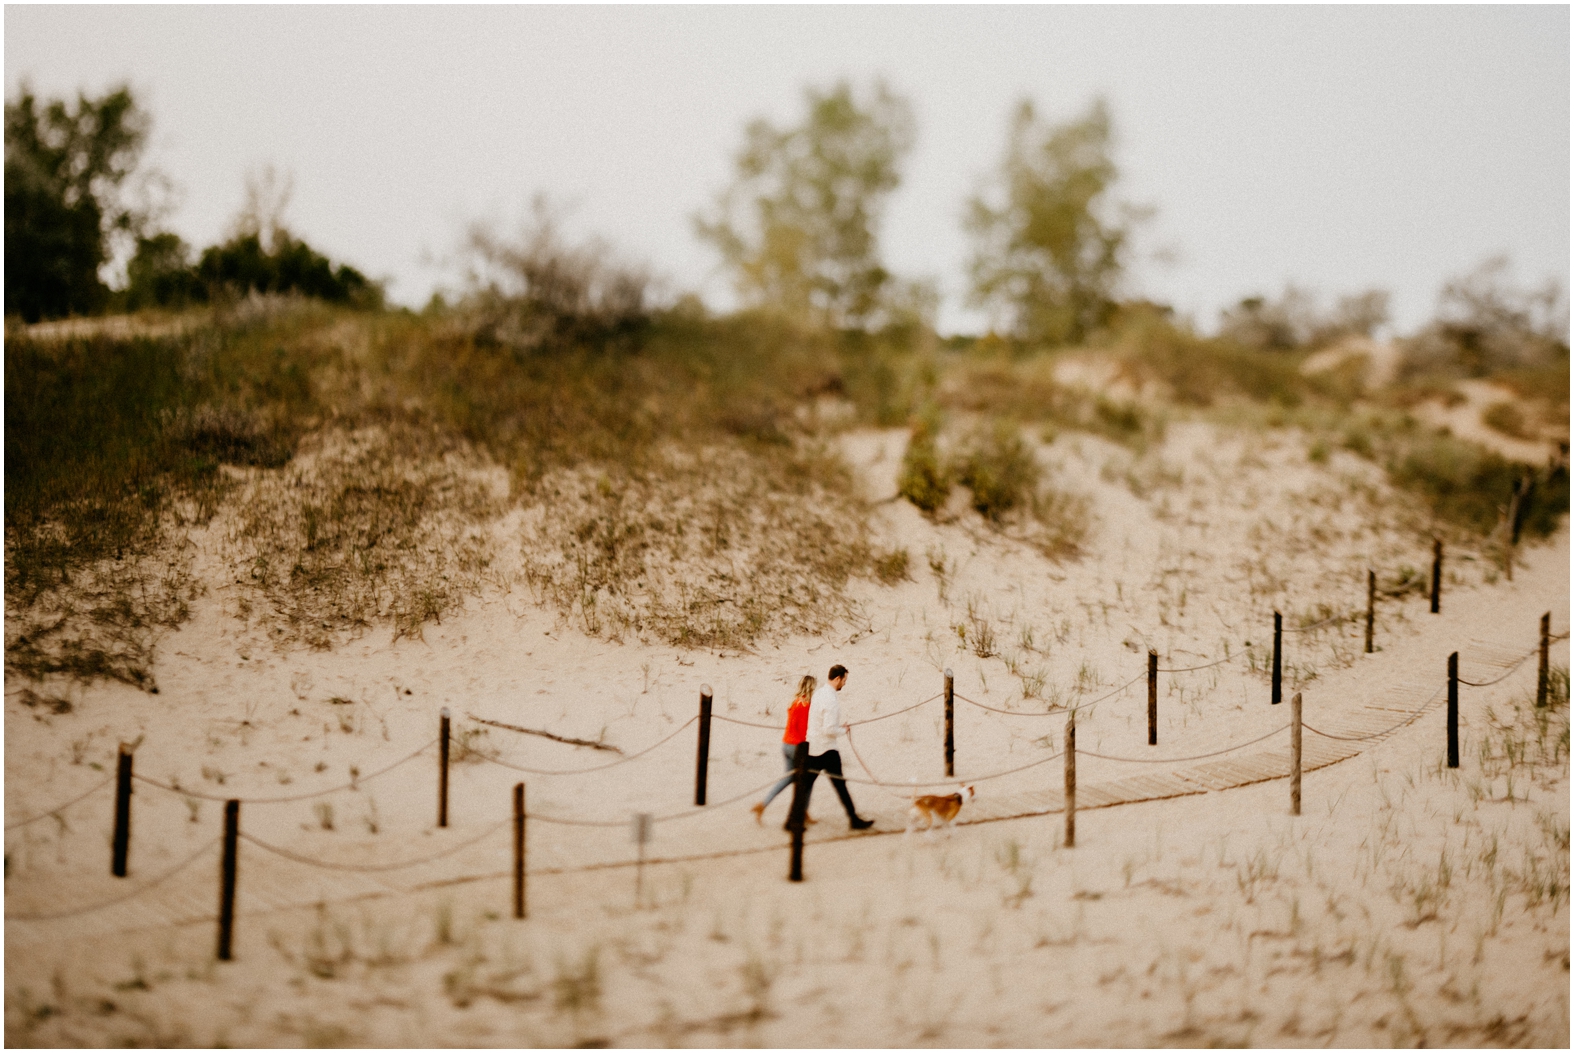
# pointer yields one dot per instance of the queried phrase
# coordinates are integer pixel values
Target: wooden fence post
(950, 725)
(1278, 632)
(1295, 754)
(1437, 574)
(227, 872)
(1453, 710)
(1371, 606)
(519, 851)
(1541, 672)
(702, 747)
(1071, 778)
(799, 810)
(442, 768)
(122, 842)
(1153, 697)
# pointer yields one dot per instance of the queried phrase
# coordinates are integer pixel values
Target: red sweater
(797, 722)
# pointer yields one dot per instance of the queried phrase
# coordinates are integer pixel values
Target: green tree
(1050, 244)
(64, 168)
(799, 225)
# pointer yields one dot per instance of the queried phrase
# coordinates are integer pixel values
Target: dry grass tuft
(710, 546)
(380, 523)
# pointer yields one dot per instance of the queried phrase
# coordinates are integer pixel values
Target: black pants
(830, 762)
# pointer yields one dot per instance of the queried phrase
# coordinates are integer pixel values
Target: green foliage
(799, 226)
(63, 171)
(1487, 325)
(241, 265)
(1469, 485)
(1050, 248)
(1000, 471)
(924, 480)
(160, 274)
(1295, 320)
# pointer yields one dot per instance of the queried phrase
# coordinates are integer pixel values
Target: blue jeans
(786, 780)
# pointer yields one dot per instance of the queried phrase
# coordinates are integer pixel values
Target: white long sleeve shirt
(825, 719)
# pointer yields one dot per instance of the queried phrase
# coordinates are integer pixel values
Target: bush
(1000, 471)
(1470, 485)
(924, 480)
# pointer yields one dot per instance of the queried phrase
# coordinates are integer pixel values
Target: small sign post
(642, 829)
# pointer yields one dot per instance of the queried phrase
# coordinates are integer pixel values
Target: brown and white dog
(932, 809)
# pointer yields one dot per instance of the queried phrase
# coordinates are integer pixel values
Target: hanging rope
(375, 868)
(1194, 668)
(899, 712)
(60, 807)
(1411, 719)
(745, 723)
(118, 899)
(1506, 673)
(1180, 760)
(1053, 713)
(351, 785)
(873, 780)
(599, 767)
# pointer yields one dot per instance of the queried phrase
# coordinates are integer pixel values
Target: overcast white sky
(1338, 147)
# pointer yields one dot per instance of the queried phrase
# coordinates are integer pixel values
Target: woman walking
(797, 731)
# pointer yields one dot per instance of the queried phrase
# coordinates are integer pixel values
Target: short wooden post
(797, 814)
(702, 748)
(1295, 754)
(1437, 575)
(519, 851)
(1071, 778)
(442, 768)
(1453, 710)
(1522, 494)
(1278, 632)
(227, 869)
(642, 828)
(122, 843)
(1153, 697)
(1541, 671)
(1371, 606)
(950, 725)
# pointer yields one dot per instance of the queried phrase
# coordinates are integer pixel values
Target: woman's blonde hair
(806, 687)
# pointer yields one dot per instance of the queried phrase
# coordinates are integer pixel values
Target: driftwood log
(545, 734)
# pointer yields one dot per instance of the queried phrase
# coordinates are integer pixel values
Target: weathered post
(519, 850)
(442, 768)
(950, 725)
(227, 868)
(1453, 710)
(1153, 697)
(1278, 632)
(642, 827)
(1437, 574)
(1071, 777)
(1295, 754)
(1541, 671)
(1523, 492)
(702, 747)
(800, 808)
(122, 842)
(1371, 606)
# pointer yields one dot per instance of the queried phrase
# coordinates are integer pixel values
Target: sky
(1339, 148)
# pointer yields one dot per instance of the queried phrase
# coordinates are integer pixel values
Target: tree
(63, 173)
(1051, 246)
(799, 226)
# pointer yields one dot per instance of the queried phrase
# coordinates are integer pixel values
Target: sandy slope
(1380, 915)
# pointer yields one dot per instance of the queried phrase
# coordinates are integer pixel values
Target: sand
(1408, 903)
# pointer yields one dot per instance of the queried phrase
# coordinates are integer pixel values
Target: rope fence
(60, 807)
(643, 821)
(351, 785)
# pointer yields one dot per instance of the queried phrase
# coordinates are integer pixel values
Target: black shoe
(860, 824)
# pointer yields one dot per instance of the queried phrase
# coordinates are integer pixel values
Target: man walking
(825, 728)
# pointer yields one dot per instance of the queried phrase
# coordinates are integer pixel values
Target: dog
(930, 808)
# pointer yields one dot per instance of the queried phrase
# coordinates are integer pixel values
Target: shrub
(1469, 485)
(893, 567)
(1507, 418)
(924, 480)
(1000, 471)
